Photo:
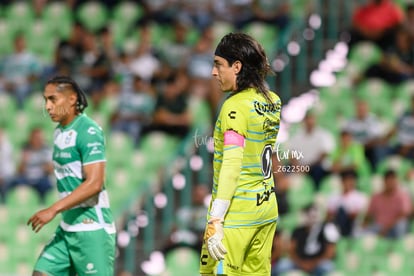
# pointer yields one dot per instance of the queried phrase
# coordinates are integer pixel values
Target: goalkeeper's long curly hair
(255, 65)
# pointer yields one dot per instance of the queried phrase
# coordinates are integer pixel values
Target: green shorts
(248, 252)
(78, 253)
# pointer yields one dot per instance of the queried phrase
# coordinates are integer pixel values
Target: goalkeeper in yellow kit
(243, 212)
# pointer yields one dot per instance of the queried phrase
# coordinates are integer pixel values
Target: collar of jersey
(71, 124)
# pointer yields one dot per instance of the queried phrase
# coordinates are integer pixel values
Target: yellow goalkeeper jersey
(250, 115)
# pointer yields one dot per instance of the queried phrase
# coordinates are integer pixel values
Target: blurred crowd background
(343, 163)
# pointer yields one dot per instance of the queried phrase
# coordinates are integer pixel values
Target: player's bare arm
(94, 179)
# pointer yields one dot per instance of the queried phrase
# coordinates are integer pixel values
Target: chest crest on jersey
(66, 139)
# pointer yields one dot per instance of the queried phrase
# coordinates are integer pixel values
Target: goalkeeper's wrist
(219, 209)
(215, 220)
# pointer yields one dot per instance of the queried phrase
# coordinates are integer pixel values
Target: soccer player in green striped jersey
(84, 242)
(243, 213)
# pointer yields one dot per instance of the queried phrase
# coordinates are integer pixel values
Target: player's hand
(213, 238)
(38, 220)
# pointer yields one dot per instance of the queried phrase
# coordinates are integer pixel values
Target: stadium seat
(126, 14)
(119, 146)
(395, 162)
(301, 191)
(373, 249)
(22, 201)
(353, 263)
(382, 93)
(41, 41)
(220, 28)
(395, 263)
(158, 144)
(20, 15)
(6, 37)
(330, 185)
(405, 244)
(93, 15)
(361, 56)
(294, 273)
(5, 219)
(405, 91)
(58, 11)
(22, 246)
(7, 266)
(8, 109)
(18, 130)
(289, 221)
(182, 259)
(266, 34)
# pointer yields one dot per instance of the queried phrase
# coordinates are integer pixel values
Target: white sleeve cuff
(219, 208)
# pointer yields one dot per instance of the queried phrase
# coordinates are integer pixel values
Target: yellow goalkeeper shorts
(248, 252)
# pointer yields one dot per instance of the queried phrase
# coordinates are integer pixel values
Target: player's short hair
(65, 82)
(255, 65)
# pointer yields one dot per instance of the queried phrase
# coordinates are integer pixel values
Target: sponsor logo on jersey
(87, 221)
(232, 114)
(95, 144)
(232, 266)
(203, 259)
(95, 150)
(90, 269)
(65, 139)
(262, 108)
(270, 128)
(63, 154)
(265, 196)
(68, 137)
(92, 131)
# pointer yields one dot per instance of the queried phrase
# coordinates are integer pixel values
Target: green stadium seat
(337, 273)
(405, 91)
(7, 263)
(373, 249)
(93, 15)
(395, 263)
(5, 219)
(405, 245)
(158, 144)
(120, 34)
(266, 34)
(58, 11)
(330, 185)
(18, 130)
(6, 37)
(294, 273)
(353, 263)
(119, 148)
(126, 13)
(8, 109)
(395, 162)
(182, 259)
(301, 191)
(22, 246)
(221, 28)
(289, 221)
(19, 14)
(382, 93)
(41, 40)
(361, 56)
(22, 201)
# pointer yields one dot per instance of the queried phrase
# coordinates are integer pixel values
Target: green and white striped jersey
(78, 144)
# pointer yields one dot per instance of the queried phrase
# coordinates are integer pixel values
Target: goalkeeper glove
(213, 238)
